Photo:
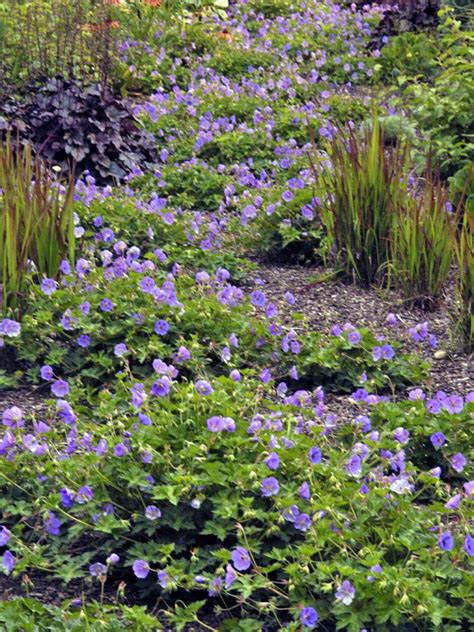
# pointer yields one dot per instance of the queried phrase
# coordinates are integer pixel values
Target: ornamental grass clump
(36, 221)
(463, 242)
(421, 242)
(362, 185)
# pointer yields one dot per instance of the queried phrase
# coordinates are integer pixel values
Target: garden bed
(236, 380)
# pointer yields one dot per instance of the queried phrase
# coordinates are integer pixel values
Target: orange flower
(153, 3)
(102, 26)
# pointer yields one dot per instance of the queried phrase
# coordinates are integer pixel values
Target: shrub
(84, 126)
(36, 221)
(400, 16)
(443, 110)
(409, 55)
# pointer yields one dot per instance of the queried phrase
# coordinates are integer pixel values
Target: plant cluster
(36, 221)
(81, 128)
(43, 39)
(442, 109)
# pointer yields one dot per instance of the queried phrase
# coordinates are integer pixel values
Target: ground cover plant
(235, 390)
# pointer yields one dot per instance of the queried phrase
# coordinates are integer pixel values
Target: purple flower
(315, 455)
(164, 579)
(48, 286)
(113, 559)
(83, 267)
(469, 488)
(416, 394)
(215, 424)
(120, 450)
(272, 461)
(46, 372)
(84, 341)
(270, 486)
(304, 491)
(377, 569)
(9, 328)
(120, 349)
(147, 284)
(226, 354)
(84, 495)
(454, 502)
(229, 424)
(182, 354)
(401, 435)
(65, 267)
(354, 466)
(265, 376)
(433, 406)
(106, 305)
(4, 535)
(98, 570)
(235, 375)
(354, 337)
(52, 524)
(8, 561)
(12, 417)
(438, 439)
(60, 388)
(161, 387)
(216, 586)
(287, 196)
(141, 569)
(346, 593)
(230, 576)
(308, 617)
(294, 373)
(241, 558)
(453, 404)
(161, 327)
(469, 545)
(445, 541)
(377, 353)
(203, 388)
(302, 522)
(67, 497)
(307, 212)
(391, 320)
(458, 462)
(202, 278)
(258, 299)
(152, 512)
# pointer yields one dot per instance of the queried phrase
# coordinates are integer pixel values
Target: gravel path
(326, 303)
